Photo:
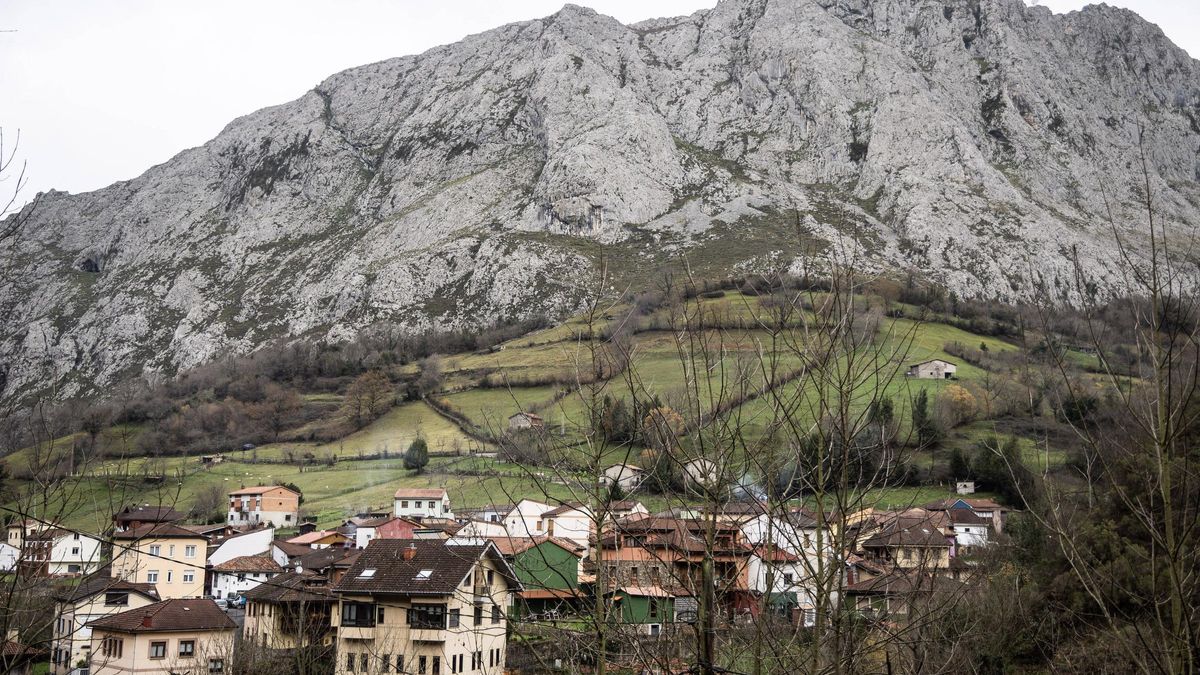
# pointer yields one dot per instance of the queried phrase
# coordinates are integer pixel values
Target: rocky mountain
(982, 143)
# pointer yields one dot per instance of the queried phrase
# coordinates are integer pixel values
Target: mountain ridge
(979, 143)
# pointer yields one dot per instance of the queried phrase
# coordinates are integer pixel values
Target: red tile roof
(260, 490)
(420, 493)
(249, 563)
(510, 546)
(168, 615)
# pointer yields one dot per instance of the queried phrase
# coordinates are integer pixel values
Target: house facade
(268, 505)
(522, 520)
(424, 606)
(524, 421)
(294, 610)
(165, 555)
(235, 577)
(76, 607)
(57, 552)
(171, 637)
(626, 476)
(388, 527)
(573, 522)
(422, 503)
(135, 516)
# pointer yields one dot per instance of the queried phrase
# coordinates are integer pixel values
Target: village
(422, 587)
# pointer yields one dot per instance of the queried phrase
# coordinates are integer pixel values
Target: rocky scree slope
(980, 142)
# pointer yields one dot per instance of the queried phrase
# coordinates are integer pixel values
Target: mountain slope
(976, 141)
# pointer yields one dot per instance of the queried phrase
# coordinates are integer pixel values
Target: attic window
(366, 574)
(424, 574)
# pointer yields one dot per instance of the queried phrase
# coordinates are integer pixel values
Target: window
(158, 650)
(378, 615)
(75, 536)
(454, 616)
(187, 649)
(152, 577)
(74, 569)
(428, 616)
(363, 661)
(189, 576)
(171, 551)
(287, 517)
(387, 664)
(366, 574)
(653, 608)
(189, 551)
(787, 579)
(495, 613)
(491, 658)
(424, 574)
(155, 549)
(478, 615)
(399, 663)
(432, 507)
(75, 550)
(422, 662)
(437, 665)
(112, 647)
(216, 665)
(358, 614)
(491, 576)
(351, 660)
(170, 574)
(404, 504)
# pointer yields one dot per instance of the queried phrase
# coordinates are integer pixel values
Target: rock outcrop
(981, 142)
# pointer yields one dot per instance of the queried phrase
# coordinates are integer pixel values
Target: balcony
(427, 635)
(356, 632)
(483, 595)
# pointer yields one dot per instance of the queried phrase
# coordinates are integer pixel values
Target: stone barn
(934, 369)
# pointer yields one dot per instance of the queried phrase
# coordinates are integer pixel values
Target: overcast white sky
(103, 89)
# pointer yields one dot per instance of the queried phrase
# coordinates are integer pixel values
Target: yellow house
(165, 555)
(172, 637)
(76, 607)
(424, 606)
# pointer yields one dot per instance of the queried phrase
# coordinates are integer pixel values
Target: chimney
(147, 621)
(410, 552)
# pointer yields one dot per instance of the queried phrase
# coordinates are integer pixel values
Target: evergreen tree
(417, 455)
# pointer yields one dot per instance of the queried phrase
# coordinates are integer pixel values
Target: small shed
(965, 487)
(933, 369)
(525, 420)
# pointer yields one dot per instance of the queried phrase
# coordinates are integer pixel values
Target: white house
(523, 519)
(789, 585)
(77, 606)
(574, 522)
(701, 472)
(422, 503)
(970, 530)
(525, 420)
(61, 552)
(481, 529)
(8, 557)
(241, 574)
(933, 369)
(627, 476)
(253, 542)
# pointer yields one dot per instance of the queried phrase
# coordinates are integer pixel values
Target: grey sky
(101, 90)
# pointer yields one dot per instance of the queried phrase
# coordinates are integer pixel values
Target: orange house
(270, 504)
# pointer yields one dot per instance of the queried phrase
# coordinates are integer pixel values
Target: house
(166, 555)
(59, 552)
(264, 505)
(236, 576)
(573, 522)
(421, 503)
(77, 606)
(894, 594)
(210, 460)
(672, 552)
(322, 539)
(285, 554)
(293, 611)
(135, 516)
(626, 476)
(970, 531)
(701, 472)
(910, 542)
(19, 529)
(164, 638)
(251, 542)
(424, 606)
(523, 519)
(964, 487)
(784, 580)
(652, 609)
(492, 513)
(481, 529)
(525, 420)
(332, 563)
(984, 508)
(933, 369)
(626, 508)
(387, 527)
(9, 555)
(17, 658)
(548, 570)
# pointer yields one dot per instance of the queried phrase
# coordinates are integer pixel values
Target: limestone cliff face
(977, 141)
